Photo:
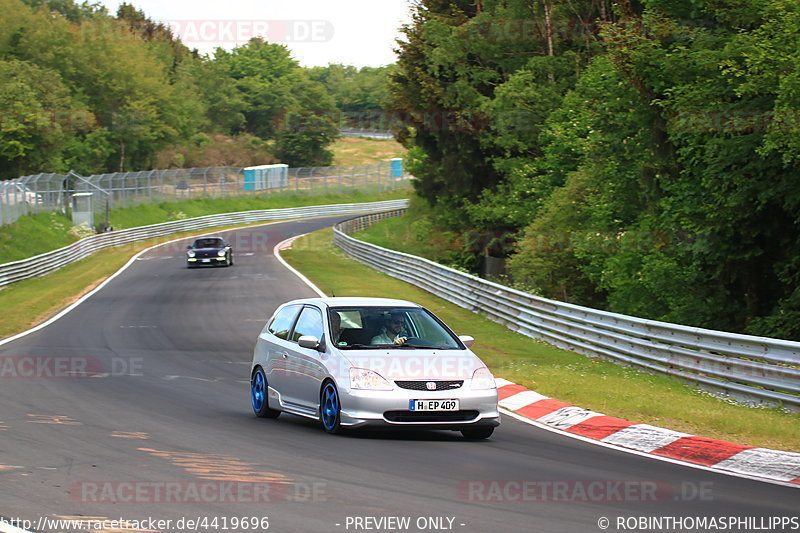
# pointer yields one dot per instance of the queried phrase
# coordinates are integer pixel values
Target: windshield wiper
(422, 346)
(359, 346)
(390, 346)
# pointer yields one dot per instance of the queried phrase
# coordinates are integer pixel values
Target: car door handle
(285, 355)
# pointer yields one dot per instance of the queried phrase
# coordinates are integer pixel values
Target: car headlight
(361, 378)
(221, 253)
(190, 253)
(483, 379)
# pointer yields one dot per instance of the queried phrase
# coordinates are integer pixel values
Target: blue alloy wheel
(329, 408)
(258, 396)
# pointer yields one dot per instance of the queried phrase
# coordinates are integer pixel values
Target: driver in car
(392, 332)
(336, 326)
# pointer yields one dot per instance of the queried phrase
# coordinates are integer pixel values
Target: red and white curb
(713, 454)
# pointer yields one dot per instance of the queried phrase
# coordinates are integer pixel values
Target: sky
(318, 32)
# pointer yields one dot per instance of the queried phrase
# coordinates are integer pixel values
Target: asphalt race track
(157, 424)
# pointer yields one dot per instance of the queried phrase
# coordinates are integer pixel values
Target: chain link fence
(54, 192)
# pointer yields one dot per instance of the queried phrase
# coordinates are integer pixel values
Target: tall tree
(474, 82)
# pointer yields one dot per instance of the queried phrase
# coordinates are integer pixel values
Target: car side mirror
(467, 340)
(309, 341)
(189, 247)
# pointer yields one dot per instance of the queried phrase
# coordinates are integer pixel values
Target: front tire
(258, 395)
(330, 409)
(478, 433)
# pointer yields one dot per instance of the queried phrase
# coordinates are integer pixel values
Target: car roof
(355, 301)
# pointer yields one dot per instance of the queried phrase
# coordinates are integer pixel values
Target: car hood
(416, 364)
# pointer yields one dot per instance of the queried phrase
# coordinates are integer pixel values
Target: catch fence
(54, 192)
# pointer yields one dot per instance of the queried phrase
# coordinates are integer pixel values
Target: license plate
(206, 260)
(433, 405)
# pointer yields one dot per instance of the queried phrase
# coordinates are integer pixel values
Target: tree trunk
(548, 23)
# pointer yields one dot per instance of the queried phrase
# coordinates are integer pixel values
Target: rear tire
(258, 395)
(478, 433)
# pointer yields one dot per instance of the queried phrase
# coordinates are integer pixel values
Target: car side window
(309, 323)
(281, 325)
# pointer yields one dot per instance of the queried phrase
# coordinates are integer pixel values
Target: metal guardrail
(367, 133)
(50, 192)
(753, 370)
(48, 262)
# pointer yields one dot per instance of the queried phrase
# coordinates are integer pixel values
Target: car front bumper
(362, 408)
(205, 261)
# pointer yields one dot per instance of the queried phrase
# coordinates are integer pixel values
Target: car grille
(422, 385)
(203, 255)
(431, 416)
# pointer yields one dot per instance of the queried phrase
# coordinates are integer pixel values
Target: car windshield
(401, 327)
(207, 243)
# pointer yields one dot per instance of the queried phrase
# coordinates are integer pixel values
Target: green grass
(590, 383)
(411, 235)
(417, 232)
(353, 151)
(35, 234)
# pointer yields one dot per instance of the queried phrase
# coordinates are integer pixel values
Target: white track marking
(277, 252)
(566, 417)
(644, 437)
(769, 463)
(520, 399)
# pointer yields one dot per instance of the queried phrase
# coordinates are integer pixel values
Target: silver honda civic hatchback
(355, 362)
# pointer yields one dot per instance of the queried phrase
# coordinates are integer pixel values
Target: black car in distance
(209, 251)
